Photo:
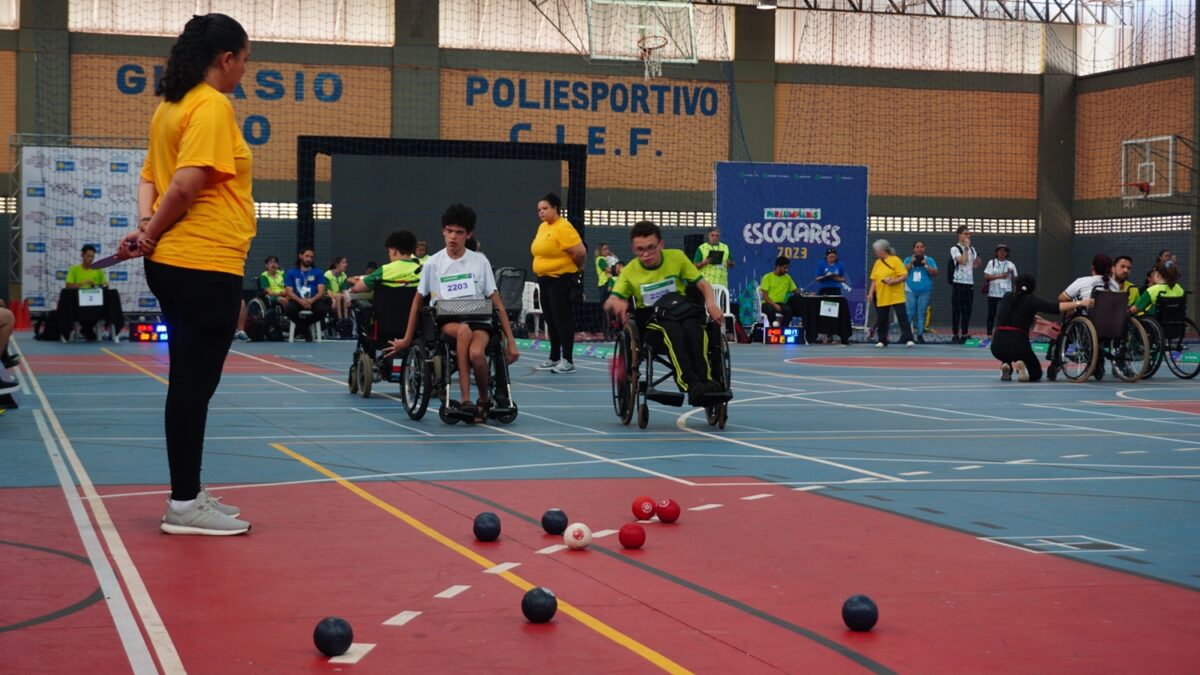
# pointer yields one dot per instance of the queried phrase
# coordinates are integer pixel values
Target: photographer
(919, 287)
(965, 261)
(999, 275)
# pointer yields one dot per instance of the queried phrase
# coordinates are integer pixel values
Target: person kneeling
(1015, 318)
(653, 281)
(455, 273)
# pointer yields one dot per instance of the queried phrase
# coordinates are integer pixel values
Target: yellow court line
(574, 612)
(133, 365)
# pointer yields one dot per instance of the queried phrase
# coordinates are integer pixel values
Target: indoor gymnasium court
(837, 470)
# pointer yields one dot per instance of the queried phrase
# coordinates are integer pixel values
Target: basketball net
(1130, 201)
(651, 49)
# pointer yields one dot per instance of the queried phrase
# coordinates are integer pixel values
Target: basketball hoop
(650, 47)
(1139, 192)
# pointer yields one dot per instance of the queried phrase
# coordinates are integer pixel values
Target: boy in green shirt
(651, 275)
(82, 275)
(271, 281)
(777, 288)
(1163, 284)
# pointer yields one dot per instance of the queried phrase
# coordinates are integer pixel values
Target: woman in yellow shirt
(557, 254)
(887, 292)
(196, 220)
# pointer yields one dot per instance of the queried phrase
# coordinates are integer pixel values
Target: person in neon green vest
(270, 281)
(402, 270)
(608, 267)
(421, 252)
(337, 284)
(1163, 284)
(713, 260)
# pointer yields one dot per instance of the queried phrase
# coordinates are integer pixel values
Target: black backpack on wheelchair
(379, 322)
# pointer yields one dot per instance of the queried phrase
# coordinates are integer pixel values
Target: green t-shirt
(335, 283)
(1146, 301)
(395, 274)
(272, 283)
(646, 285)
(717, 273)
(77, 275)
(778, 287)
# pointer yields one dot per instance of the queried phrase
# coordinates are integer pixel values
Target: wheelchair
(1174, 338)
(1105, 333)
(264, 310)
(430, 363)
(376, 324)
(632, 388)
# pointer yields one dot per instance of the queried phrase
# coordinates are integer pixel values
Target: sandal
(484, 409)
(466, 411)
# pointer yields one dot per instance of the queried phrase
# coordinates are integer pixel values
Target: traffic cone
(21, 316)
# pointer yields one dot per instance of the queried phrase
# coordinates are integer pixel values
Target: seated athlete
(651, 275)
(1163, 284)
(457, 273)
(271, 282)
(83, 277)
(402, 270)
(1101, 278)
(779, 300)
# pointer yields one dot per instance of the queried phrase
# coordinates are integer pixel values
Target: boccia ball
(667, 510)
(487, 526)
(539, 605)
(643, 508)
(333, 636)
(632, 535)
(554, 521)
(578, 536)
(860, 613)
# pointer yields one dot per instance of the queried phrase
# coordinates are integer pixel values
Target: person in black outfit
(1014, 318)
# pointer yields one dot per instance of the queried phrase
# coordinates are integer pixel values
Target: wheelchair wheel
(1154, 334)
(1078, 349)
(414, 382)
(1182, 349)
(643, 416)
(1131, 352)
(717, 415)
(352, 379)
(366, 374)
(623, 372)
(256, 309)
(499, 385)
(445, 416)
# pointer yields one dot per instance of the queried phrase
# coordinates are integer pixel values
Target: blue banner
(795, 210)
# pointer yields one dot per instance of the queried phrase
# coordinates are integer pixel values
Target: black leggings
(960, 307)
(686, 346)
(556, 308)
(993, 305)
(200, 310)
(1010, 346)
(883, 322)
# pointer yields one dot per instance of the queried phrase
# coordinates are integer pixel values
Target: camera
(918, 261)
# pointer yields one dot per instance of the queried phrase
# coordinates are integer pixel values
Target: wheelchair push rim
(1078, 348)
(1182, 349)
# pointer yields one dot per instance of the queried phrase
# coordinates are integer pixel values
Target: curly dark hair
(644, 228)
(403, 241)
(202, 39)
(461, 215)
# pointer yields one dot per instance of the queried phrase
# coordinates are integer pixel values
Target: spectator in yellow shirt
(558, 253)
(887, 292)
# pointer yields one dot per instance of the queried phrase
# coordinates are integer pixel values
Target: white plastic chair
(316, 328)
(721, 295)
(531, 305)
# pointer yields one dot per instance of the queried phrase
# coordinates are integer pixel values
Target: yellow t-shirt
(201, 130)
(549, 248)
(886, 295)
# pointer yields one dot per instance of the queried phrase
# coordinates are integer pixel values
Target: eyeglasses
(639, 250)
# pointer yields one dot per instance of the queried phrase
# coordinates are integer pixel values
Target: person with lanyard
(831, 274)
(557, 254)
(998, 275)
(608, 266)
(778, 289)
(964, 261)
(307, 300)
(421, 252)
(402, 270)
(1016, 316)
(82, 278)
(1164, 284)
(918, 289)
(713, 260)
(271, 283)
(336, 285)
(196, 221)
(652, 275)
(1122, 269)
(456, 273)
(887, 292)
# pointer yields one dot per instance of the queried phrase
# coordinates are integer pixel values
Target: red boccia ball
(643, 508)
(668, 510)
(632, 535)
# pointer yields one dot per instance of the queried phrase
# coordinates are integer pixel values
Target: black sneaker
(920, 339)
(10, 360)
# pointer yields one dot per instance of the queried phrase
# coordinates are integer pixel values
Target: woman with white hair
(887, 292)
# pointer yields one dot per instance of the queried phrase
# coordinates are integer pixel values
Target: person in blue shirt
(831, 274)
(919, 287)
(307, 301)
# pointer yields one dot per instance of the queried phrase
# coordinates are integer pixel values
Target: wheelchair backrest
(1110, 314)
(1170, 311)
(391, 311)
(510, 284)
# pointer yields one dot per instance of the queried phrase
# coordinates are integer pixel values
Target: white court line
(1075, 456)
(1113, 415)
(603, 533)
(969, 467)
(402, 618)
(1186, 449)
(1131, 452)
(152, 623)
(815, 378)
(1123, 393)
(914, 473)
(538, 386)
(565, 424)
(353, 655)
(867, 479)
(682, 424)
(807, 488)
(915, 481)
(1020, 461)
(451, 592)
(284, 384)
(1076, 427)
(392, 422)
(501, 568)
(706, 507)
(551, 549)
(756, 497)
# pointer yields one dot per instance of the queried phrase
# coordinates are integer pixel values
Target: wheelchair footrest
(672, 398)
(716, 397)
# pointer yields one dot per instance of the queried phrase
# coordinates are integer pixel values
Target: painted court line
(392, 422)
(867, 479)
(705, 507)
(1076, 456)
(402, 618)
(807, 488)
(284, 384)
(1131, 452)
(603, 533)
(451, 592)
(914, 473)
(502, 567)
(353, 655)
(762, 495)
(1020, 461)
(552, 549)
(968, 467)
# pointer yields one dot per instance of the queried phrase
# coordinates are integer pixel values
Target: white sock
(181, 506)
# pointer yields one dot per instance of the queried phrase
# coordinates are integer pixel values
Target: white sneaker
(1022, 371)
(774, 324)
(880, 345)
(910, 344)
(563, 367)
(241, 336)
(546, 365)
(202, 518)
(8, 383)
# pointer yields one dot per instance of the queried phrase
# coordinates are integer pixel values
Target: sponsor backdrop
(795, 210)
(76, 196)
